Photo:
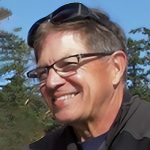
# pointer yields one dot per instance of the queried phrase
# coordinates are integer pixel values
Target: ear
(119, 60)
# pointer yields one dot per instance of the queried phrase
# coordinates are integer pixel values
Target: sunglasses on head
(67, 13)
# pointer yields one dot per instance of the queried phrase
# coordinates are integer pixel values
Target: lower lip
(59, 104)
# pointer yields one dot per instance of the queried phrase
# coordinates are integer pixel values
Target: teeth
(66, 97)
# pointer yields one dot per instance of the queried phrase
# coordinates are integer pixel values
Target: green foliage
(23, 118)
(139, 63)
(4, 13)
(13, 52)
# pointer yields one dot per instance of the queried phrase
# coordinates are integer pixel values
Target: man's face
(83, 95)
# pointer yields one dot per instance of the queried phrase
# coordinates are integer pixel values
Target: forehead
(60, 44)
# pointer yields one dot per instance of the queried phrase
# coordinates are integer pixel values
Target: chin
(65, 119)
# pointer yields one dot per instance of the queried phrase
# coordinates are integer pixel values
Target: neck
(102, 122)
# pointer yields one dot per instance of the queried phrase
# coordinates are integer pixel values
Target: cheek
(46, 96)
(88, 79)
(99, 81)
(89, 84)
(97, 76)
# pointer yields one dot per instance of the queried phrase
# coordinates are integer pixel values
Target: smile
(64, 97)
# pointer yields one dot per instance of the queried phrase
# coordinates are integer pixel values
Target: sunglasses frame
(75, 12)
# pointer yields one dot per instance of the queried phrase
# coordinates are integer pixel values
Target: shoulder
(141, 109)
(133, 132)
(139, 122)
(53, 140)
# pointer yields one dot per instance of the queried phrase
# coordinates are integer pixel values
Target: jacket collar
(127, 109)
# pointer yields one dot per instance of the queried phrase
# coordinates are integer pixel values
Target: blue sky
(130, 14)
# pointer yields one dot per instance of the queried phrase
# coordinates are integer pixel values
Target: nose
(54, 80)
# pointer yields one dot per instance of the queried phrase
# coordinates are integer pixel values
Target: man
(82, 61)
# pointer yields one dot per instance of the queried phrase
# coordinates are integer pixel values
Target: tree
(139, 62)
(23, 114)
(23, 117)
(4, 13)
(22, 111)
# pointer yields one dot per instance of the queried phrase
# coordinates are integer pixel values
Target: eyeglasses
(65, 67)
(66, 13)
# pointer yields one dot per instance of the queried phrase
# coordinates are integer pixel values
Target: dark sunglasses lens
(30, 38)
(65, 13)
(63, 16)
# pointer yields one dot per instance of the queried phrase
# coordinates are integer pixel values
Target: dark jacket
(130, 131)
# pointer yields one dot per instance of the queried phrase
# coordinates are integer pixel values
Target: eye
(68, 64)
(41, 73)
(42, 76)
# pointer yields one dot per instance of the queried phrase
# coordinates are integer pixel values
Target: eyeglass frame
(78, 56)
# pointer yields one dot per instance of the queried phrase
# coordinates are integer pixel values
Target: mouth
(64, 97)
(63, 100)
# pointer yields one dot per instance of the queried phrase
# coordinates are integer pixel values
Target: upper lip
(57, 95)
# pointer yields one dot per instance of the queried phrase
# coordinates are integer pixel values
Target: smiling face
(82, 96)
